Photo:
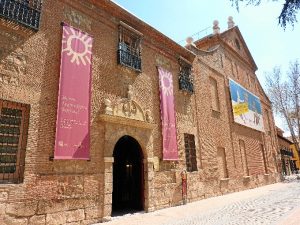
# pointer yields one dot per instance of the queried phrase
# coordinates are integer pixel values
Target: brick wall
(67, 191)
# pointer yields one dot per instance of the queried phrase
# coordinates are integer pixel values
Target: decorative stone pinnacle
(216, 28)
(130, 92)
(189, 41)
(230, 22)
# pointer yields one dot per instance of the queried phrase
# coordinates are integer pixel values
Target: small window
(13, 139)
(215, 104)
(244, 157)
(263, 152)
(222, 163)
(190, 152)
(185, 77)
(129, 49)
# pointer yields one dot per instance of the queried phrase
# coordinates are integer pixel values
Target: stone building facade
(219, 155)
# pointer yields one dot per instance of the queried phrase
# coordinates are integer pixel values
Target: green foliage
(288, 13)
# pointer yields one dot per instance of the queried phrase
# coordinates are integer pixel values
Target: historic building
(296, 157)
(102, 114)
(288, 159)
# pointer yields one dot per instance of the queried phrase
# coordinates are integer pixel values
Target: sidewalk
(291, 219)
(266, 203)
(294, 217)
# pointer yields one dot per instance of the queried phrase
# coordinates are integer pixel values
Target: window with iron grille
(25, 12)
(185, 77)
(190, 152)
(129, 49)
(13, 139)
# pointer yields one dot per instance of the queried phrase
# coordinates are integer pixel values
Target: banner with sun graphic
(168, 120)
(73, 112)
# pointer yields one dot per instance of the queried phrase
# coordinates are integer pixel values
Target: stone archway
(126, 117)
(128, 177)
(114, 129)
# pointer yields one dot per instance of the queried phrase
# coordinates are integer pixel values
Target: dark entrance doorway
(128, 180)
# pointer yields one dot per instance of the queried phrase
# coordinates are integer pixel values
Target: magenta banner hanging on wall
(73, 111)
(168, 120)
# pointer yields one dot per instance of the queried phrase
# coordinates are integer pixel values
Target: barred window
(185, 77)
(129, 49)
(25, 12)
(190, 152)
(13, 139)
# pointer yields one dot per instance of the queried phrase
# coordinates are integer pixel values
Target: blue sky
(268, 43)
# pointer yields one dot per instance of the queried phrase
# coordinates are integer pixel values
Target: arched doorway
(128, 177)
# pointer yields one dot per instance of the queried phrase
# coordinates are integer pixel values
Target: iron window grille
(186, 78)
(190, 152)
(286, 152)
(25, 12)
(14, 118)
(129, 48)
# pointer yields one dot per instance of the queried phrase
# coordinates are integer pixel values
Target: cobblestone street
(272, 204)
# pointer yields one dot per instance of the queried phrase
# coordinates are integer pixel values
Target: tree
(285, 97)
(288, 12)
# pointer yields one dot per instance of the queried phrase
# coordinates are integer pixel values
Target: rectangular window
(24, 12)
(129, 49)
(263, 152)
(222, 163)
(244, 157)
(190, 152)
(215, 104)
(14, 119)
(185, 77)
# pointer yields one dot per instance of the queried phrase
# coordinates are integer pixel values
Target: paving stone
(275, 204)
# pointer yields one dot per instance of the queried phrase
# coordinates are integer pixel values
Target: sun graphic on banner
(167, 84)
(78, 46)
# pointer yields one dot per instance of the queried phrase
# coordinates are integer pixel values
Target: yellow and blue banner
(246, 107)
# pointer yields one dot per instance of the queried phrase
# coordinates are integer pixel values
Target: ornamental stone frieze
(77, 18)
(14, 63)
(127, 108)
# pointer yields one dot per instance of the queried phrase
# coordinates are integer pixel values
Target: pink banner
(73, 111)
(168, 120)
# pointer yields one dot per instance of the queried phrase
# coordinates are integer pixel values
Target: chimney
(230, 22)
(216, 28)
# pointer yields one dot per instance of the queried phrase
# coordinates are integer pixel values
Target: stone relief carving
(12, 65)
(162, 61)
(127, 108)
(148, 118)
(77, 18)
(9, 80)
